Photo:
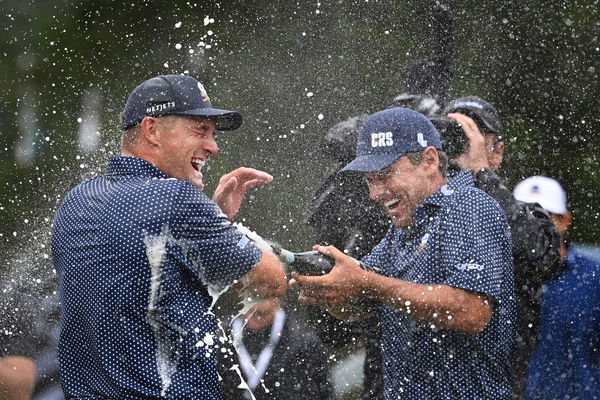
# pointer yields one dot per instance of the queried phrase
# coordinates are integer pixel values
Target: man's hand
(17, 377)
(233, 187)
(475, 156)
(346, 281)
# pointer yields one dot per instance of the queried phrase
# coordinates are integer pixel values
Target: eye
(376, 177)
(202, 129)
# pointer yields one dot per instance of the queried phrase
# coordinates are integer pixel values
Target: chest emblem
(422, 249)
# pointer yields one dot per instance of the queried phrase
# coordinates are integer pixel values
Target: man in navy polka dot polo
(141, 252)
(444, 280)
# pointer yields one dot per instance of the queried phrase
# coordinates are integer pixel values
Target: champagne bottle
(315, 263)
(310, 262)
(305, 263)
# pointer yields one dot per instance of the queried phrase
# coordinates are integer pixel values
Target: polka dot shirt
(461, 239)
(138, 254)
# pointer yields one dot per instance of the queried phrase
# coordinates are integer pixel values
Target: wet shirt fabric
(566, 362)
(138, 256)
(460, 239)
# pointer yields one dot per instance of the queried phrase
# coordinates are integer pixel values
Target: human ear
(495, 155)
(431, 157)
(562, 222)
(149, 130)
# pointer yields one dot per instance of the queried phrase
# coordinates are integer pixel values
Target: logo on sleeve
(469, 267)
(243, 242)
(382, 139)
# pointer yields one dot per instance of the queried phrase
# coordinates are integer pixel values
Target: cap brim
(225, 120)
(371, 163)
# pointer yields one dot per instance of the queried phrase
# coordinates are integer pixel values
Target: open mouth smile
(198, 163)
(392, 204)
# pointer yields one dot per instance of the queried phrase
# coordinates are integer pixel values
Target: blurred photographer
(472, 136)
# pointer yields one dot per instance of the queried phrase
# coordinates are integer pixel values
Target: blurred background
(293, 69)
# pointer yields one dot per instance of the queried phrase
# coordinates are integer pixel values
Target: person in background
(277, 356)
(17, 376)
(535, 239)
(566, 362)
(30, 335)
(142, 251)
(441, 279)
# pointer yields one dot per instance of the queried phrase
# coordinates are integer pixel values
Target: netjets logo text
(382, 139)
(160, 107)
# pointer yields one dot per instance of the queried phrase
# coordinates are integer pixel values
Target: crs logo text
(382, 139)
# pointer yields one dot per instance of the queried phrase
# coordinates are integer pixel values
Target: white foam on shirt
(255, 237)
(155, 251)
(166, 360)
(215, 292)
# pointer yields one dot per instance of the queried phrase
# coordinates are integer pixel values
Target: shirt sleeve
(476, 245)
(213, 247)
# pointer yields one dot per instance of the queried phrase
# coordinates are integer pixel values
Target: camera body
(454, 139)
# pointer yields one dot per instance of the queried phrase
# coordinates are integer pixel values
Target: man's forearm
(436, 304)
(266, 280)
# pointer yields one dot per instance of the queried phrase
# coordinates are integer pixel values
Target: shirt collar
(123, 165)
(441, 196)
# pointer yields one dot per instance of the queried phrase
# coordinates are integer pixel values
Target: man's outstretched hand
(346, 282)
(233, 187)
(336, 291)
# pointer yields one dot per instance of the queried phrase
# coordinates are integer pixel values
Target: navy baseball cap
(389, 134)
(175, 94)
(483, 113)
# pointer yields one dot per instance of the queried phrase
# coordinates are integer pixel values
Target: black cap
(482, 112)
(175, 94)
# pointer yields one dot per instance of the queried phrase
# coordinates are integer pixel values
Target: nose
(210, 146)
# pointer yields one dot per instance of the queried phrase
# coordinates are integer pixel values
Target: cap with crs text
(389, 134)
